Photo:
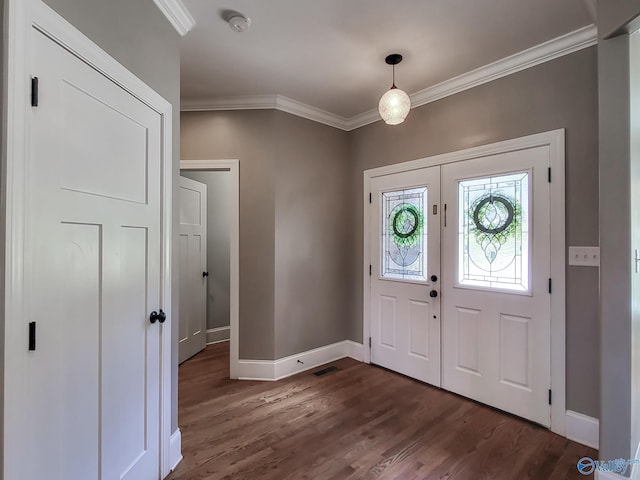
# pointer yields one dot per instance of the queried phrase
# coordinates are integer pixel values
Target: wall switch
(584, 256)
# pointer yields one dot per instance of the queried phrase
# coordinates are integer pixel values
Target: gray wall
(312, 220)
(557, 94)
(293, 223)
(250, 137)
(619, 194)
(218, 216)
(138, 36)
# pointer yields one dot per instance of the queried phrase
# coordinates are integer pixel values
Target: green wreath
(406, 224)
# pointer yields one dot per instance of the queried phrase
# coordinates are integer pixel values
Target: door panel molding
(555, 142)
(26, 18)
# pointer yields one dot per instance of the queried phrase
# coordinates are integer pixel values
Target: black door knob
(157, 317)
(433, 293)
(205, 274)
(434, 278)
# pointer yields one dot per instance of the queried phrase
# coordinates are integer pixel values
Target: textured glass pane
(404, 236)
(493, 232)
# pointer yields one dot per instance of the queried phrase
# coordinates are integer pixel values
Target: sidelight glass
(493, 232)
(404, 236)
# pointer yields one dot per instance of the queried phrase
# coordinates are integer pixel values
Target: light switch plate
(584, 256)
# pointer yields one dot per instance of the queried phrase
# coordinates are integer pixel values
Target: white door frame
(554, 141)
(22, 17)
(233, 166)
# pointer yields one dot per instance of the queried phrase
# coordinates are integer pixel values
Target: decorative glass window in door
(493, 232)
(404, 238)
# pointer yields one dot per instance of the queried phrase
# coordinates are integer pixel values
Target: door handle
(433, 293)
(434, 278)
(157, 317)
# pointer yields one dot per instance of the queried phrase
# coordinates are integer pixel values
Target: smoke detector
(239, 23)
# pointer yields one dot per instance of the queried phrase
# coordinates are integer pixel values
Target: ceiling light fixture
(395, 104)
(239, 23)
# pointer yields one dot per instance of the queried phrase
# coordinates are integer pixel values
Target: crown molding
(558, 47)
(264, 102)
(177, 14)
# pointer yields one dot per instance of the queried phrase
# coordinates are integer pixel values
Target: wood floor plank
(357, 422)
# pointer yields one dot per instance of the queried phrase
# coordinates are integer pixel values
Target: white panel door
(93, 275)
(192, 249)
(405, 266)
(496, 269)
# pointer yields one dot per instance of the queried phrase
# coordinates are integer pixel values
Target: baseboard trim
(582, 429)
(271, 370)
(217, 335)
(355, 350)
(599, 475)
(175, 449)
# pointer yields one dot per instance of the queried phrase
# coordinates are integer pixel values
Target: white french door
(192, 248)
(405, 270)
(492, 340)
(496, 270)
(93, 275)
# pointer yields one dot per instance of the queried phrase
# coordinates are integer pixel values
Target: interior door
(496, 281)
(192, 249)
(405, 271)
(93, 246)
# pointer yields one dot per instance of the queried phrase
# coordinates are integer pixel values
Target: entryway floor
(356, 422)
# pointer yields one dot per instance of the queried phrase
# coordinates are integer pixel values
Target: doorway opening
(405, 290)
(223, 247)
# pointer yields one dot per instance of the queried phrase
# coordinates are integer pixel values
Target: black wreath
(499, 228)
(416, 222)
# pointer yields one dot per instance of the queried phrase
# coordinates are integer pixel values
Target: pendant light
(395, 104)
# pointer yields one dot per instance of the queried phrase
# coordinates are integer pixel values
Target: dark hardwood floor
(358, 422)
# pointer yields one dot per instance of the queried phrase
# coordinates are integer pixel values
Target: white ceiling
(330, 53)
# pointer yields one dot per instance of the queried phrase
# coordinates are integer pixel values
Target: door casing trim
(233, 166)
(555, 142)
(22, 16)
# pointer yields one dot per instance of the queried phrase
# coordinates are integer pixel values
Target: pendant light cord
(394, 77)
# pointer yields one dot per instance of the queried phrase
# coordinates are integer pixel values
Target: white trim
(245, 102)
(233, 165)
(582, 429)
(23, 16)
(355, 350)
(599, 475)
(177, 14)
(271, 370)
(565, 44)
(175, 449)
(267, 102)
(555, 48)
(554, 140)
(217, 335)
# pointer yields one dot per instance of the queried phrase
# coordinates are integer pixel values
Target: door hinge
(370, 197)
(549, 174)
(549, 285)
(369, 270)
(32, 336)
(34, 91)
(369, 342)
(549, 396)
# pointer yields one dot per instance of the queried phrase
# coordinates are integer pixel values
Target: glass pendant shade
(394, 106)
